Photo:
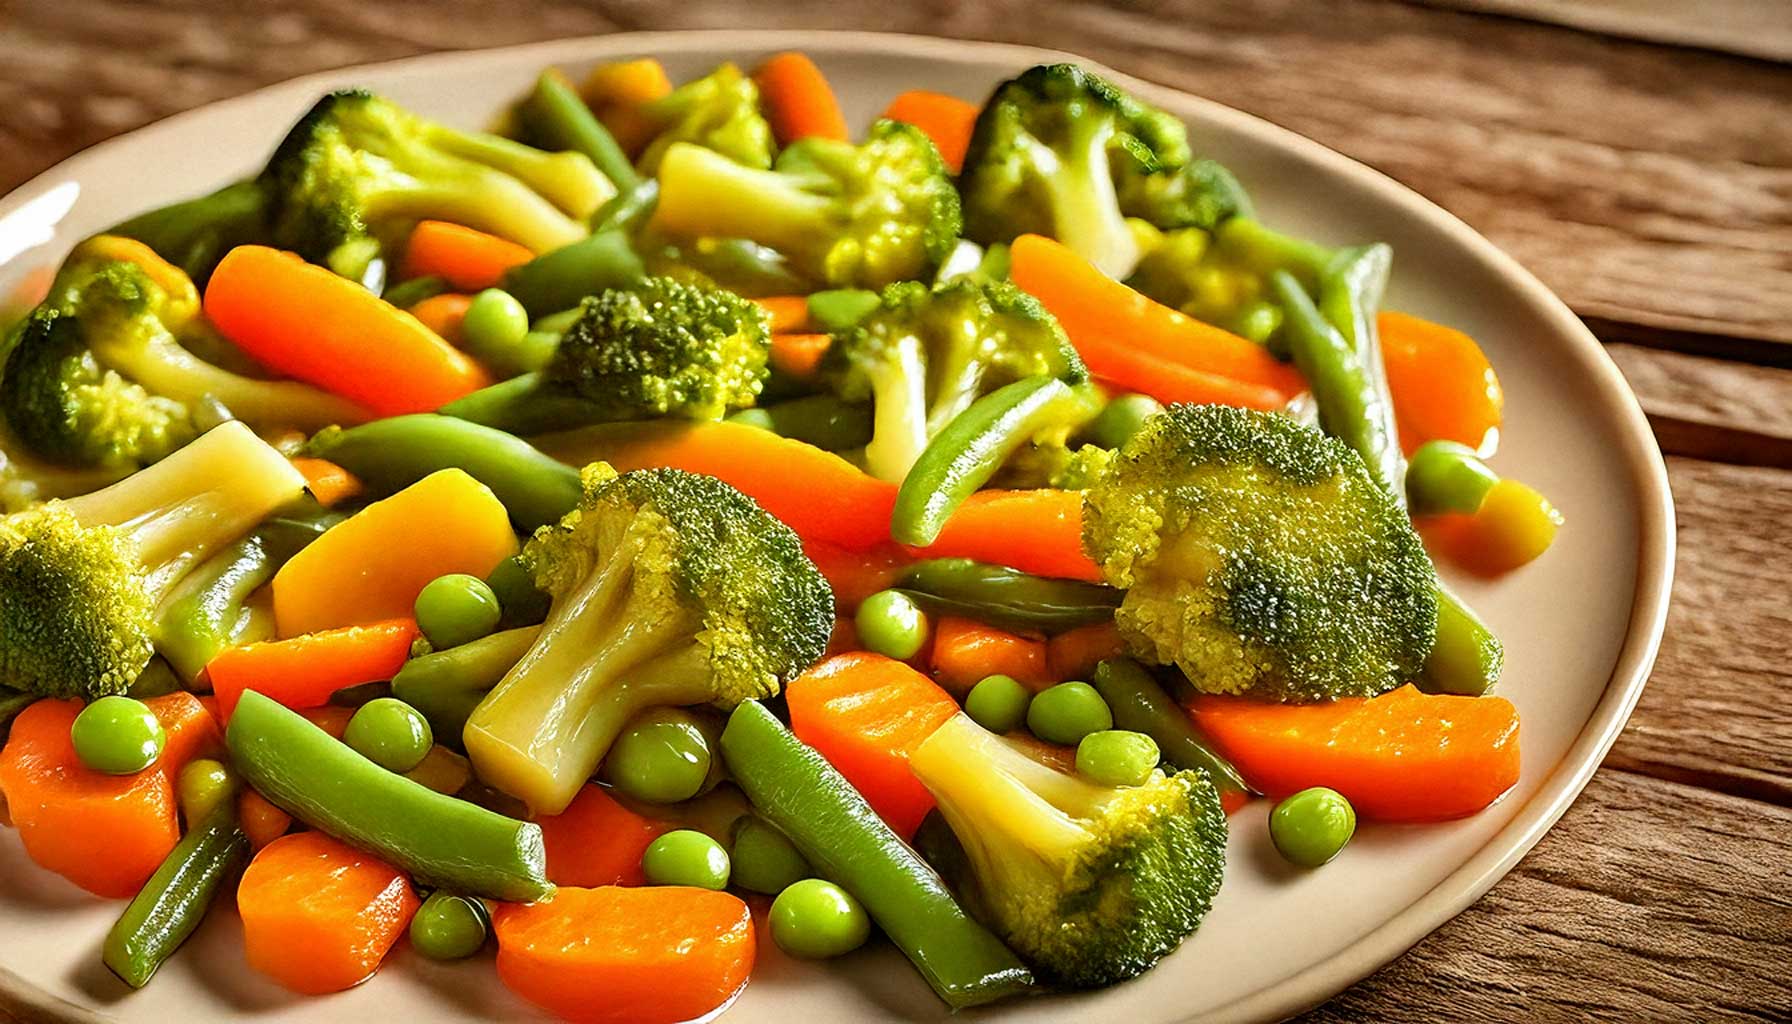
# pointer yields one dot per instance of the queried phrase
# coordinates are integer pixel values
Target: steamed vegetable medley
(569, 543)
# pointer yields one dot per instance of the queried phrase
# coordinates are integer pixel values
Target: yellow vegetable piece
(371, 566)
(1516, 524)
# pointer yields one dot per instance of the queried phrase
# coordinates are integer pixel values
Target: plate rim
(1639, 453)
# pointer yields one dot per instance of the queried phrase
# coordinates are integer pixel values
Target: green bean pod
(172, 903)
(821, 420)
(1007, 598)
(524, 406)
(799, 792)
(555, 117)
(1140, 705)
(557, 280)
(406, 294)
(629, 209)
(1467, 657)
(447, 685)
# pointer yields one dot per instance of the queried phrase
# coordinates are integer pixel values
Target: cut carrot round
(966, 652)
(1442, 385)
(797, 100)
(465, 257)
(597, 841)
(302, 672)
(1075, 653)
(329, 483)
(788, 312)
(799, 355)
(190, 728)
(261, 821)
(947, 120)
(1040, 532)
(444, 314)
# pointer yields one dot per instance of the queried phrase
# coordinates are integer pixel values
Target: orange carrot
(1442, 385)
(818, 494)
(105, 833)
(329, 483)
(788, 312)
(843, 638)
(443, 314)
(1040, 532)
(1075, 653)
(191, 731)
(947, 120)
(597, 841)
(615, 955)
(797, 99)
(261, 821)
(305, 322)
(965, 652)
(304, 671)
(799, 354)
(1170, 383)
(331, 718)
(856, 575)
(467, 258)
(319, 915)
(1112, 326)
(865, 713)
(616, 93)
(1402, 756)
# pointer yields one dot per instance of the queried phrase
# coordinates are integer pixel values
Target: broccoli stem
(1085, 207)
(555, 116)
(487, 200)
(570, 181)
(899, 410)
(447, 685)
(705, 194)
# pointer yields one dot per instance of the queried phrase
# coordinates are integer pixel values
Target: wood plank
(1752, 28)
(1711, 408)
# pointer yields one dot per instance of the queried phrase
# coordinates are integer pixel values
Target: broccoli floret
(349, 180)
(1222, 276)
(196, 233)
(1090, 884)
(844, 215)
(662, 348)
(1056, 465)
(81, 580)
(925, 354)
(1049, 154)
(719, 111)
(101, 375)
(668, 588)
(1260, 557)
(1199, 194)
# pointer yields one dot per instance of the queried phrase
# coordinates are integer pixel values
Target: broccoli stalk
(1090, 884)
(81, 580)
(668, 588)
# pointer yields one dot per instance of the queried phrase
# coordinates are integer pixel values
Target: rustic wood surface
(1650, 185)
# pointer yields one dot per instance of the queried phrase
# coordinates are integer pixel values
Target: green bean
(1141, 705)
(555, 117)
(821, 420)
(629, 209)
(840, 309)
(406, 294)
(558, 323)
(557, 280)
(1467, 657)
(523, 406)
(740, 266)
(1445, 476)
(1007, 598)
(174, 900)
(447, 685)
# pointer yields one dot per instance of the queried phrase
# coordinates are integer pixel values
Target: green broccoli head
(1199, 194)
(1260, 557)
(844, 215)
(357, 171)
(1221, 276)
(1090, 884)
(1049, 154)
(926, 354)
(668, 588)
(1055, 464)
(662, 348)
(719, 111)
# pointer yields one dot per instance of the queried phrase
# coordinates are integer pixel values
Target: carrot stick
(304, 671)
(1169, 383)
(597, 841)
(1442, 385)
(1402, 756)
(319, 915)
(799, 354)
(1075, 653)
(797, 99)
(467, 258)
(191, 731)
(261, 821)
(611, 955)
(966, 652)
(947, 120)
(856, 575)
(1110, 323)
(788, 312)
(1040, 532)
(105, 833)
(329, 483)
(443, 314)
(305, 322)
(865, 713)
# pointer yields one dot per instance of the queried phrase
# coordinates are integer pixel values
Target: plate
(1581, 625)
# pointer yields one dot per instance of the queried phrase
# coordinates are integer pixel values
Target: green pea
(1116, 757)
(764, 860)
(1310, 827)
(686, 857)
(118, 736)
(816, 919)
(457, 609)
(998, 703)
(494, 321)
(891, 624)
(1067, 712)
(390, 733)
(662, 757)
(203, 785)
(1122, 418)
(1445, 476)
(449, 927)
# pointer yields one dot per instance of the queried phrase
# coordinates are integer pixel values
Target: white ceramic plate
(1581, 625)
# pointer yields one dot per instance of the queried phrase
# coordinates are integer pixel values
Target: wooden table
(1650, 185)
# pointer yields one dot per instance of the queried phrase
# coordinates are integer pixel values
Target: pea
(816, 919)
(1116, 757)
(686, 857)
(457, 609)
(118, 736)
(891, 624)
(390, 733)
(1310, 827)
(763, 860)
(1067, 712)
(1122, 418)
(998, 703)
(449, 927)
(494, 321)
(1445, 476)
(662, 757)
(202, 786)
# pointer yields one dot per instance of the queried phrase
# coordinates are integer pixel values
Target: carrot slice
(865, 713)
(856, 575)
(331, 718)
(597, 841)
(105, 833)
(965, 652)
(947, 120)
(788, 312)
(261, 821)
(305, 322)
(799, 354)
(1402, 756)
(1075, 653)
(616, 93)
(329, 483)
(319, 915)
(797, 99)
(467, 258)
(444, 314)
(304, 671)
(652, 955)
(1442, 384)
(191, 731)
(1040, 532)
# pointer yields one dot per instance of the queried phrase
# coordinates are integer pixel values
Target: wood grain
(1752, 28)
